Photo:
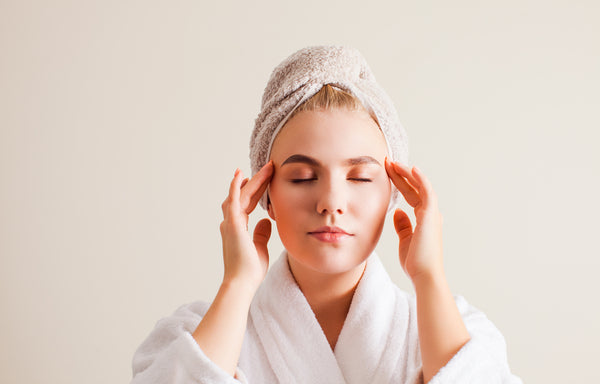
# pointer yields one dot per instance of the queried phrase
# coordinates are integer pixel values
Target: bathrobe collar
(369, 345)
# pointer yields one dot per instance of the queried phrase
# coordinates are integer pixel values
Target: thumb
(402, 224)
(262, 233)
(404, 230)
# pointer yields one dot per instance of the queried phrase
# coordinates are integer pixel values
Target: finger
(420, 182)
(255, 198)
(234, 190)
(403, 228)
(262, 233)
(402, 224)
(404, 171)
(254, 189)
(244, 182)
(426, 189)
(408, 191)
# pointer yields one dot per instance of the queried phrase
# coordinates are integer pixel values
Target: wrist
(429, 280)
(244, 288)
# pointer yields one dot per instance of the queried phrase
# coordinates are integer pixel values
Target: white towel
(302, 75)
(285, 344)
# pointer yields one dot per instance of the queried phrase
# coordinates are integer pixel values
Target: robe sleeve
(171, 355)
(482, 359)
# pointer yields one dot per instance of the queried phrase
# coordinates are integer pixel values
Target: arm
(442, 331)
(201, 344)
(220, 333)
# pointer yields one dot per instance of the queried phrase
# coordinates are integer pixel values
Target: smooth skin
(316, 185)
(441, 329)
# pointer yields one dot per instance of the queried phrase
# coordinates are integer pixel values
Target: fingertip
(397, 166)
(416, 172)
(387, 164)
(390, 164)
(268, 167)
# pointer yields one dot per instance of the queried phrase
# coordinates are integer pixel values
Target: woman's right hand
(220, 333)
(246, 258)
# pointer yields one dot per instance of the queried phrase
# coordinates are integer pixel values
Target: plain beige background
(121, 123)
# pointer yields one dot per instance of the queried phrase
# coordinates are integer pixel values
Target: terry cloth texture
(301, 76)
(284, 343)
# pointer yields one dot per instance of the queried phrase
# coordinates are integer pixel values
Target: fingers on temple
(253, 190)
(425, 189)
(399, 177)
(405, 172)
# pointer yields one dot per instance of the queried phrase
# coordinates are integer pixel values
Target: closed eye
(357, 179)
(297, 181)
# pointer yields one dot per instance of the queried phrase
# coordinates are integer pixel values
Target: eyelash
(298, 181)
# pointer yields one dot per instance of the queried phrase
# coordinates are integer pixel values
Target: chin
(331, 261)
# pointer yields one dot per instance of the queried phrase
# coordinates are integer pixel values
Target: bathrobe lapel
(369, 345)
(293, 340)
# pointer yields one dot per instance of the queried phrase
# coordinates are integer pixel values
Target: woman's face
(329, 176)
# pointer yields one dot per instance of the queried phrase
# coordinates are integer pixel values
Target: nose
(332, 198)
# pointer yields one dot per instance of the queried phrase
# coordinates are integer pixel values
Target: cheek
(371, 210)
(374, 197)
(286, 199)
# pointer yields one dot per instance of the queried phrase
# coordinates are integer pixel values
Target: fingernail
(268, 165)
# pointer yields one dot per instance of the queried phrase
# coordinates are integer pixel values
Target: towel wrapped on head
(301, 76)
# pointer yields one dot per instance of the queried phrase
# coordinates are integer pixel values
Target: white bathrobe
(284, 343)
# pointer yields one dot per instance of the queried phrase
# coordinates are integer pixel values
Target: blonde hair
(329, 97)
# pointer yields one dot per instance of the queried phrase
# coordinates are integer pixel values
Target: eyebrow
(314, 162)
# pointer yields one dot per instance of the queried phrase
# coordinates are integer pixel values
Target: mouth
(330, 234)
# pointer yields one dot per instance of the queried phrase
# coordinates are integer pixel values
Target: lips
(330, 234)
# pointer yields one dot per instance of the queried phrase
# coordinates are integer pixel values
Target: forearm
(442, 331)
(221, 331)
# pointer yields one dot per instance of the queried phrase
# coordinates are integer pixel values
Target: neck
(329, 295)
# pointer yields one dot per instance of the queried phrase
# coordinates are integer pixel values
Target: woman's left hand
(420, 250)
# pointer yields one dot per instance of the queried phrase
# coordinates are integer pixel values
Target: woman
(329, 161)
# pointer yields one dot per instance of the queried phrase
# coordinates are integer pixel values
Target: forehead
(330, 135)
